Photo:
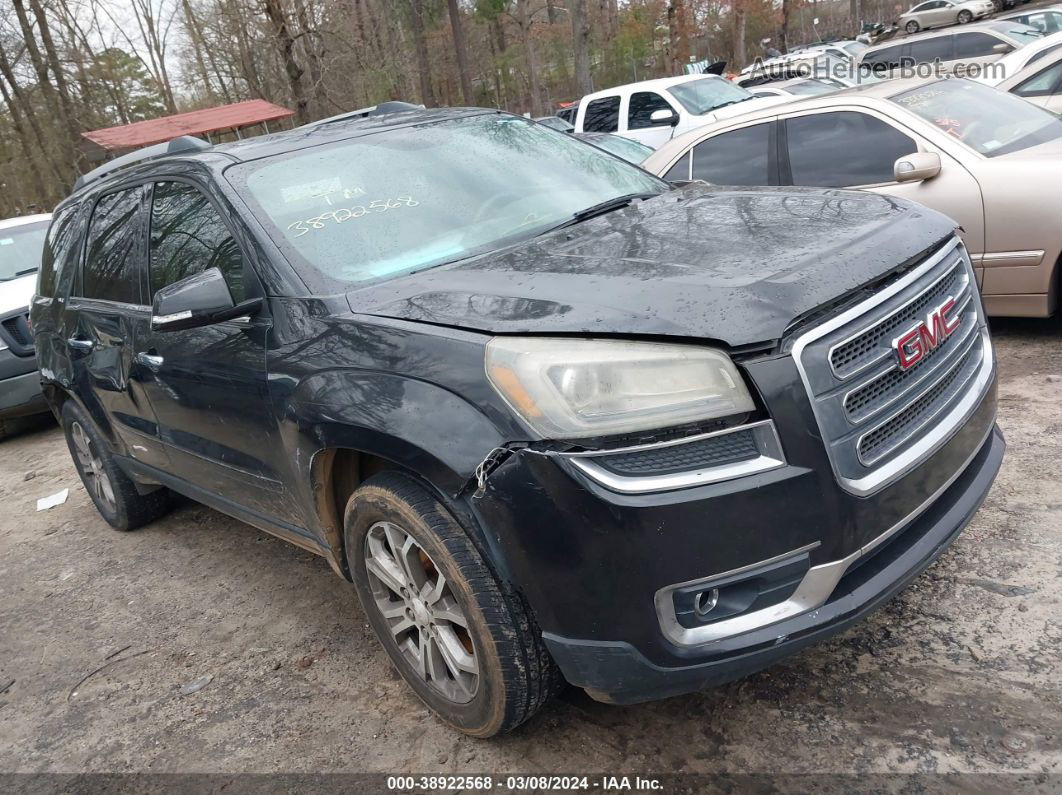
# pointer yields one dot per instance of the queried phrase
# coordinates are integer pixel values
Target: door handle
(79, 344)
(150, 361)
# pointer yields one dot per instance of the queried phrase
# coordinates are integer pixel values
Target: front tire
(466, 645)
(912, 27)
(111, 491)
(965, 17)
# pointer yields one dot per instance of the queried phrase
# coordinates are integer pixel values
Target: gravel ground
(201, 644)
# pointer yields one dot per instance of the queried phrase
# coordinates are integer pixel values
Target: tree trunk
(853, 12)
(462, 53)
(29, 150)
(286, 47)
(783, 36)
(581, 45)
(427, 96)
(66, 107)
(196, 39)
(523, 23)
(678, 36)
(18, 101)
(310, 40)
(739, 35)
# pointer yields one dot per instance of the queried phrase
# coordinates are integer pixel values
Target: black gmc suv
(555, 418)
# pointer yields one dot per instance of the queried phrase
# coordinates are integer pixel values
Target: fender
(420, 426)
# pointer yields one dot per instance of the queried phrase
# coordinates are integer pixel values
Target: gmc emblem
(913, 345)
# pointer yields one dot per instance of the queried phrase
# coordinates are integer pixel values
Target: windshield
(989, 121)
(631, 151)
(705, 95)
(404, 199)
(20, 250)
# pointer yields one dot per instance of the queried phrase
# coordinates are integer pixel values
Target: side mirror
(199, 300)
(917, 167)
(1003, 48)
(662, 117)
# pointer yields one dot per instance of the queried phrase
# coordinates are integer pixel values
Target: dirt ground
(201, 644)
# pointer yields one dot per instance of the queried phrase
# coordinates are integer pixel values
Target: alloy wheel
(91, 466)
(421, 611)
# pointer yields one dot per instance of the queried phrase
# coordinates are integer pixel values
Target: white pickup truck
(654, 111)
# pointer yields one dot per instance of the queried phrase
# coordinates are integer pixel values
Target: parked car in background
(21, 246)
(973, 46)
(568, 114)
(630, 150)
(804, 64)
(555, 123)
(940, 13)
(983, 157)
(654, 111)
(555, 420)
(1045, 20)
(842, 48)
(1013, 62)
(1040, 83)
(798, 87)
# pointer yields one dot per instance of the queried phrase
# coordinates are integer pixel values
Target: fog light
(705, 601)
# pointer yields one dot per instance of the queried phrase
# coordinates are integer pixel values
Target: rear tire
(466, 645)
(912, 27)
(965, 17)
(111, 491)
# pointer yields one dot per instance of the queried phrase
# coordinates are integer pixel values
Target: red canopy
(196, 122)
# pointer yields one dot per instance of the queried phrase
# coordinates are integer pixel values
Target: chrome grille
(854, 354)
(878, 419)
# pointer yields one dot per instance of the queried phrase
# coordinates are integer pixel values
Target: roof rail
(183, 143)
(393, 106)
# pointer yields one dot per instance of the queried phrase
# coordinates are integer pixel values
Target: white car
(798, 87)
(1013, 62)
(21, 243)
(654, 111)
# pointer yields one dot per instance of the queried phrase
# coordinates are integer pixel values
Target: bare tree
(461, 51)
(581, 46)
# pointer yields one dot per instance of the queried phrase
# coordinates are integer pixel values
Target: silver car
(940, 13)
(987, 159)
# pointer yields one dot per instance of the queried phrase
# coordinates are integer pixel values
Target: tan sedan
(990, 160)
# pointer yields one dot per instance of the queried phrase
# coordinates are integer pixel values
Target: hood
(16, 294)
(733, 265)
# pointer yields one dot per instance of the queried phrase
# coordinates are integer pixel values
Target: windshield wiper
(605, 207)
(732, 102)
(16, 274)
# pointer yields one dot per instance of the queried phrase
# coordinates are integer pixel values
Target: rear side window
(115, 251)
(975, 45)
(734, 158)
(641, 107)
(929, 50)
(887, 57)
(58, 246)
(1043, 84)
(602, 115)
(189, 237)
(821, 154)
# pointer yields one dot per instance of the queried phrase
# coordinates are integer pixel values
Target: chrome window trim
(812, 593)
(764, 434)
(914, 454)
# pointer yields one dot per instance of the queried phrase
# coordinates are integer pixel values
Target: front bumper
(617, 672)
(20, 386)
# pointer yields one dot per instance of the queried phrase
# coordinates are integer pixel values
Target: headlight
(571, 389)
